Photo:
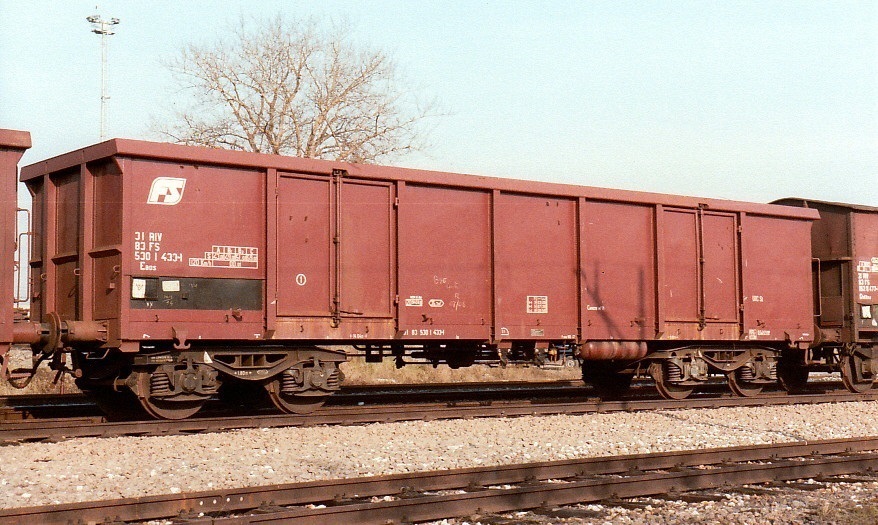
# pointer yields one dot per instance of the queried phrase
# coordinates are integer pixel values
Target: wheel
(852, 374)
(293, 404)
(667, 389)
(742, 387)
(792, 375)
(607, 381)
(161, 407)
(164, 409)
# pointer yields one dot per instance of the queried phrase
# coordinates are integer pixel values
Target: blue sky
(741, 100)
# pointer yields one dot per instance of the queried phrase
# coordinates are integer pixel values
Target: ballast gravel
(105, 468)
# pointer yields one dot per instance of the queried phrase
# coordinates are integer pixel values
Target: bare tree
(290, 88)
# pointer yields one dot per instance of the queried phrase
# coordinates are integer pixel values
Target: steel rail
(67, 428)
(29, 406)
(552, 494)
(56, 406)
(413, 497)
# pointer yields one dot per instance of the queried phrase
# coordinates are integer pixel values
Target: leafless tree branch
(291, 88)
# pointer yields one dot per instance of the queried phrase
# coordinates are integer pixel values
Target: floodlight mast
(104, 28)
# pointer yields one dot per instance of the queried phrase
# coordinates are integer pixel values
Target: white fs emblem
(166, 190)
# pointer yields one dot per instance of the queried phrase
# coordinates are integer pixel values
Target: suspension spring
(772, 370)
(159, 383)
(746, 373)
(674, 372)
(334, 380)
(289, 381)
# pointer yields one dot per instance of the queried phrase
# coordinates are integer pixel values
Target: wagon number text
(148, 249)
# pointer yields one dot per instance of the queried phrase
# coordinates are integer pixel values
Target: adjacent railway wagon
(174, 273)
(845, 282)
(13, 144)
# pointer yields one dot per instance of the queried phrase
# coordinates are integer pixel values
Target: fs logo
(166, 190)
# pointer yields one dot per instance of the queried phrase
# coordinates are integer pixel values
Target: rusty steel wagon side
(169, 271)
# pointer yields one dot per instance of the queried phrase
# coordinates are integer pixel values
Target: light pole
(104, 28)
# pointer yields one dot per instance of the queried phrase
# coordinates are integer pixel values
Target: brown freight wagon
(13, 144)
(191, 267)
(845, 269)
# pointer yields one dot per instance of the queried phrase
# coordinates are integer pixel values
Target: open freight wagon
(13, 144)
(201, 266)
(845, 281)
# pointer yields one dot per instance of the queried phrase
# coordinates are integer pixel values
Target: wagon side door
(335, 257)
(304, 238)
(364, 237)
(700, 274)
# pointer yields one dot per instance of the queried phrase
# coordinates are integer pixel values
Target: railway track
(442, 494)
(356, 413)
(57, 406)
(32, 406)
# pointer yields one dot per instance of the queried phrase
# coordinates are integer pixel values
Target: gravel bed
(97, 469)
